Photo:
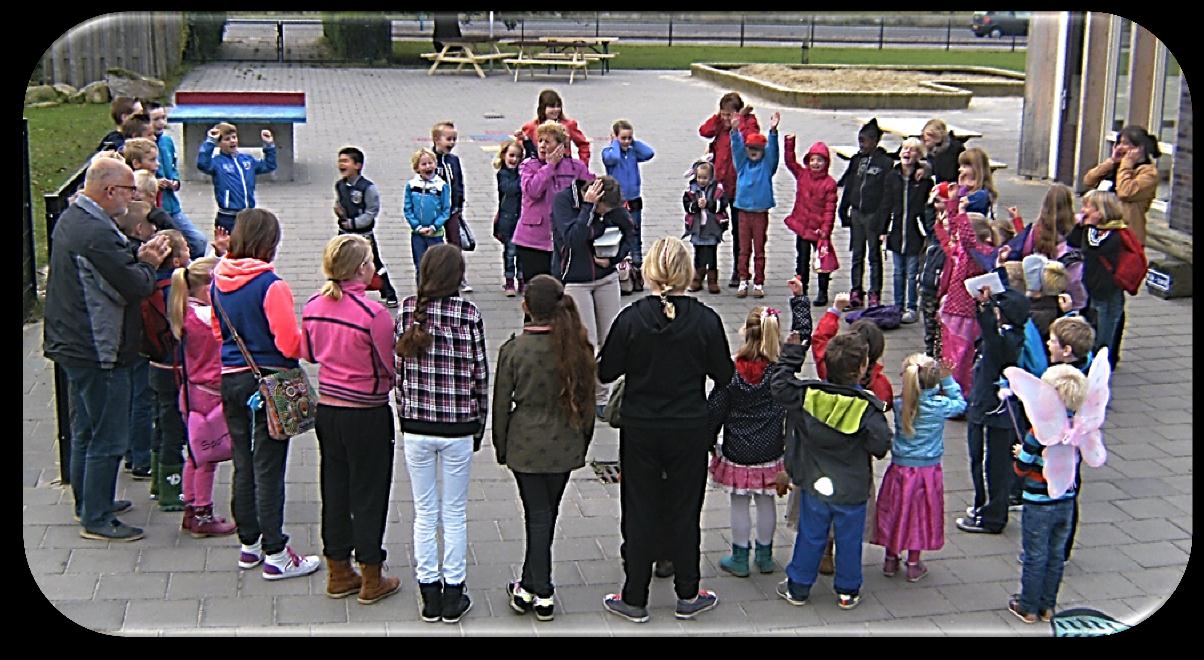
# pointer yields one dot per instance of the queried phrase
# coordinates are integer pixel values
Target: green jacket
(531, 432)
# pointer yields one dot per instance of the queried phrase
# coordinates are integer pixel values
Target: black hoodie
(998, 346)
(666, 362)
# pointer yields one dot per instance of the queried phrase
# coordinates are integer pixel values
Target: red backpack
(1130, 268)
(158, 343)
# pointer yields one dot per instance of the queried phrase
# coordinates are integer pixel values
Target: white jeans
(427, 458)
(598, 304)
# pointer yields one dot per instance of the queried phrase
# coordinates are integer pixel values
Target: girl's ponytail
(177, 300)
(771, 334)
(920, 372)
(575, 363)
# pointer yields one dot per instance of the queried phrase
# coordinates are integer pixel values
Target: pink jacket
(814, 210)
(540, 183)
(956, 242)
(202, 359)
(352, 338)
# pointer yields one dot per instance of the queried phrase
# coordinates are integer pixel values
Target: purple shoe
(250, 556)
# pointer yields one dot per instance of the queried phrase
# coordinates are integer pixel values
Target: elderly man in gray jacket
(92, 330)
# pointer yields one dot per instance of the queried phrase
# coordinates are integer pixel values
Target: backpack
(158, 343)
(1032, 353)
(886, 317)
(1130, 268)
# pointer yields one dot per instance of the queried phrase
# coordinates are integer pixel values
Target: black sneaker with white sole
(521, 600)
(456, 602)
(545, 608)
(431, 594)
(615, 605)
(688, 609)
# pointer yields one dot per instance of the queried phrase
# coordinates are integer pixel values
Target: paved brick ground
(1136, 529)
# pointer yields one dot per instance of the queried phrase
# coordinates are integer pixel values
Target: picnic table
(468, 50)
(571, 52)
(251, 112)
(906, 127)
(592, 48)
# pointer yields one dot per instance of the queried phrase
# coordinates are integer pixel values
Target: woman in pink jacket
(542, 176)
(814, 211)
(351, 337)
(191, 314)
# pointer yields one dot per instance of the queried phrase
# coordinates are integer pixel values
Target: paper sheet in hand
(974, 284)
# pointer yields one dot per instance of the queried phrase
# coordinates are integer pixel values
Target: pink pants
(957, 347)
(198, 478)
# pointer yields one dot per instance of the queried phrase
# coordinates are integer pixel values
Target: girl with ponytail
(543, 420)
(190, 313)
(750, 457)
(911, 503)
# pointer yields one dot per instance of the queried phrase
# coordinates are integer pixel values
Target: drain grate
(607, 471)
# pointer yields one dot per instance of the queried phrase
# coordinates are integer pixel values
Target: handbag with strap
(610, 414)
(468, 241)
(291, 405)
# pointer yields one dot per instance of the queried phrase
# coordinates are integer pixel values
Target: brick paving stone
(241, 611)
(1098, 586)
(151, 616)
(172, 560)
(349, 629)
(88, 560)
(493, 552)
(907, 602)
(50, 560)
(581, 624)
(1160, 553)
(979, 597)
(148, 586)
(1153, 529)
(100, 616)
(67, 587)
(777, 614)
(1148, 507)
(311, 609)
(200, 585)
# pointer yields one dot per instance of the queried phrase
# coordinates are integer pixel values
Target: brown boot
(713, 280)
(341, 578)
(376, 587)
(827, 564)
(696, 283)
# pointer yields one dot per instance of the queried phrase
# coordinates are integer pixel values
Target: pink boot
(189, 517)
(206, 524)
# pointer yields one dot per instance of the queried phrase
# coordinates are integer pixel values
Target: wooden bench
(463, 51)
(543, 59)
(251, 112)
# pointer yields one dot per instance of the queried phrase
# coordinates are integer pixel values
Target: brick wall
(1181, 178)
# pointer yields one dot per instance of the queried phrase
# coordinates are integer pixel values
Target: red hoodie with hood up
(814, 210)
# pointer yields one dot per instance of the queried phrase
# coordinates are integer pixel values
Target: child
(509, 205)
(120, 109)
(136, 126)
(706, 203)
(814, 211)
(447, 166)
(169, 180)
(1097, 234)
(961, 235)
(828, 458)
(622, 159)
(756, 162)
(907, 222)
(732, 113)
(233, 172)
(191, 315)
(976, 183)
(1071, 340)
(550, 107)
(427, 205)
(357, 203)
(863, 182)
(750, 456)
(1045, 284)
(911, 503)
(543, 421)
(933, 281)
(140, 460)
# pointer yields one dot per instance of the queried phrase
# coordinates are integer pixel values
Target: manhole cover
(607, 471)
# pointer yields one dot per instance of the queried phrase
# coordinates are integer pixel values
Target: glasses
(132, 189)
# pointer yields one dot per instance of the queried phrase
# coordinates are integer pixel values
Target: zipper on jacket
(246, 197)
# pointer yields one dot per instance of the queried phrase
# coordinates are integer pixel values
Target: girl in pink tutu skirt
(911, 507)
(747, 463)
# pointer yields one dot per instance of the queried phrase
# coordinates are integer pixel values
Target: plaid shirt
(449, 383)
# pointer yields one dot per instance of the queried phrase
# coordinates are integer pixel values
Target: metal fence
(146, 43)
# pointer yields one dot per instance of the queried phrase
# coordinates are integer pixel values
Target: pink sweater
(541, 182)
(352, 338)
(202, 358)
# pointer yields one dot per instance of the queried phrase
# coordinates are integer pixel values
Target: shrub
(204, 34)
(355, 36)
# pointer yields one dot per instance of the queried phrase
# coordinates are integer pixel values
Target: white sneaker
(287, 564)
(743, 290)
(250, 556)
(909, 317)
(465, 286)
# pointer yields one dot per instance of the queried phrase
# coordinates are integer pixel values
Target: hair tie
(769, 311)
(186, 284)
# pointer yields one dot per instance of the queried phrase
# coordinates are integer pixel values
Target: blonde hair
(145, 182)
(981, 227)
(1054, 279)
(179, 246)
(1107, 203)
(135, 214)
(553, 129)
(1002, 230)
(669, 266)
(1015, 271)
(920, 372)
(499, 161)
(1069, 382)
(938, 126)
(343, 256)
(980, 162)
(914, 143)
(762, 334)
(418, 156)
(183, 281)
(437, 129)
(138, 149)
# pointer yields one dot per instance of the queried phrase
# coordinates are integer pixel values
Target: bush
(358, 36)
(204, 37)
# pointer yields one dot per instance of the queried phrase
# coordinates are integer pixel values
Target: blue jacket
(234, 176)
(754, 181)
(624, 166)
(427, 203)
(928, 444)
(167, 170)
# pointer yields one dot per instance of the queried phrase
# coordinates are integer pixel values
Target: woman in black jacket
(666, 344)
(943, 150)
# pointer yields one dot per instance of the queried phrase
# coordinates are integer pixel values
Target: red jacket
(721, 146)
(814, 194)
(575, 136)
(875, 382)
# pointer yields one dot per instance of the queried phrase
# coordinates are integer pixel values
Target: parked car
(1000, 23)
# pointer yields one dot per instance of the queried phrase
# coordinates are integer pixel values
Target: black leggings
(541, 494)
(533, 262)
(705, 258)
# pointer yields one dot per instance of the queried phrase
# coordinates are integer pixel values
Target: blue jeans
(1044, 530)
(419, 244)
(815, 517)
(1108, 310)
(510, 267)
(907, 267)
(138, 455)
(429, 457)
(636, 245)
(194, 237)
(100, 418)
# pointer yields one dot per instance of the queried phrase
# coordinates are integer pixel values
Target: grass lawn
(60, 139)
(653, 56)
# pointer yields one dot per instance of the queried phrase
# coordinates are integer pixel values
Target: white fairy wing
(1059, 468)
(1090, 416)
(1041, 403)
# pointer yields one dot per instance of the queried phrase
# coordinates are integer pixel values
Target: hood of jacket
(1014, 306)
(233, 274)
(818, 149)
(840, 408)
(752, 372)
(685, 319)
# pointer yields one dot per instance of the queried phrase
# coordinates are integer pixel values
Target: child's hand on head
(593, 192)
(214, 133)
(796, 286)
(841, 301)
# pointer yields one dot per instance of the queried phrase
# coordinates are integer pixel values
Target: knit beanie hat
(1034, 265)
(871, 129)
(756, 140)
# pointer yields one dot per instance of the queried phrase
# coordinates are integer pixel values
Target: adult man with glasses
(92, 330)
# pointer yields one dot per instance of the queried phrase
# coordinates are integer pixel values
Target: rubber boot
(827, 565)
(713, 280)
(204, 523)
(737, 562)
(154, 479)
(171, 496)
(189, 515)
(341, 578)
(374, 586)
(821, 296)
(764, 558)
(696, 283)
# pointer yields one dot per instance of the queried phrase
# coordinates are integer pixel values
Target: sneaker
(874, 299)
(544, 609)
(973, 525)
(847, 601)
(1016, 505)
(465, 286)
(1046, 615)
(734, 282)
(1014, 608)
(119, 506)
(456, 602)
(508, 288)
(855, 299)
(287, 564)
(757, 291)
(972, 511)
(521, 601)
(742, 290)
(140, 474)
(391, 303)
(916, 572)
(890, 566)
(431, 595)
(615, 605)
(112, 531)
(688, 609)
(789, 595)
(910, 316)
(249, 556)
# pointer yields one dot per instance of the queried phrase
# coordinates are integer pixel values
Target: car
(1000, 23)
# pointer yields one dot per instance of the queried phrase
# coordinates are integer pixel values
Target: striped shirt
(1029, 465)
